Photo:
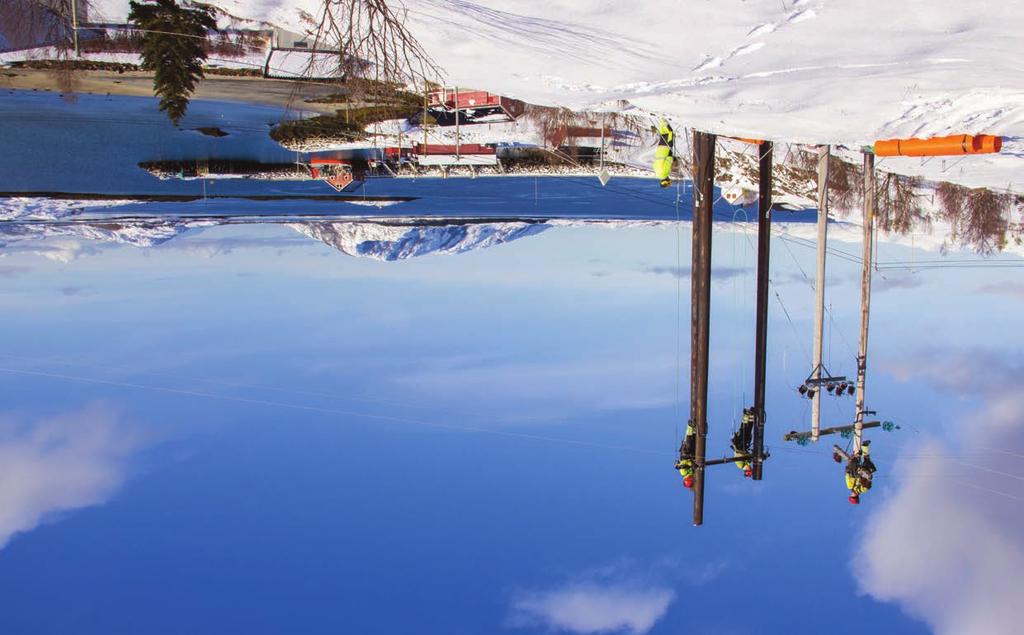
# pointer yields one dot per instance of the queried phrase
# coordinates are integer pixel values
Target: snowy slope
(805, 71)
(37, 208)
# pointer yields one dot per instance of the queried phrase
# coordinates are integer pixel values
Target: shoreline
(250, 90)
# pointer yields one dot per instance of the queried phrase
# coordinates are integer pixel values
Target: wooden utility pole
(399, 164)
(74, 25)
(458, 138)
(700, 306)
(426, 97)
(865, 296)
(819, 286)
(764, 236)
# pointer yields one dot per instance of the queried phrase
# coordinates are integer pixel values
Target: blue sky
(277, 436)
(246, 430)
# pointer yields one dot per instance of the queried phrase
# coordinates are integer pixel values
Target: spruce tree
(172, 47)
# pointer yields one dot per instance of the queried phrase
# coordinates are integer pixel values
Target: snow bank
(284, 64)
(249, 61)
(36, 208)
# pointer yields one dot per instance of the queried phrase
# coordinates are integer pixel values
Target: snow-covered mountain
(387, 239)
(411, 239)
(28, 221)
(135, 233)
(24, 221)
(43, 208)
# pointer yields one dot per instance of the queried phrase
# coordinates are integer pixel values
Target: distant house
(299, 55)
(432, 154)
(284, 39)
(576, 135)
(472, 106)
(737, 194)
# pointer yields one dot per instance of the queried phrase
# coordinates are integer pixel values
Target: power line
(363, 415)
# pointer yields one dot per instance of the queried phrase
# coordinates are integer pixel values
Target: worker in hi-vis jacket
(685, 462)
(741, 442)
(859, 473)
(664, 154)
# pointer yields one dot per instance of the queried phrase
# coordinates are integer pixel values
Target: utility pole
(458, 139)
(764, 236)
(602, 173)
(865, 296)
(819, 286)
(700, 306)
(426, 97)
(399, 164)
(74, 25)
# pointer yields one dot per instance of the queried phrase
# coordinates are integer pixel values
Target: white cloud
(594, 608)
(622, 596)
(1012, 289)
(60, 464)
(948, 545)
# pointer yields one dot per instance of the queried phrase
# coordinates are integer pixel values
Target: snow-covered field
(803, 71)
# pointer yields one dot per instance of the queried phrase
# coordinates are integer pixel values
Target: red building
(476, 104)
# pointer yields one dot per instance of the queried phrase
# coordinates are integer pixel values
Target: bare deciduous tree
(952, 200)
(845, 184)
(373, 43)
(29, 23)
(845, 180)
(550, 120)
(897, 203)
(979, 217)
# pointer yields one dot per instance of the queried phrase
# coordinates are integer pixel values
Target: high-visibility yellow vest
(665, 131)
(663, 153)
(662, 162)
(855, 484)
(686, 468)
(744, 464)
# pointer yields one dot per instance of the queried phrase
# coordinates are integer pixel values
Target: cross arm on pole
(797, 436)
(730, 459)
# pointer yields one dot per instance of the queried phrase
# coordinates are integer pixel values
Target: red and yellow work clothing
(743, 464)
(856, 484)
(685, 468)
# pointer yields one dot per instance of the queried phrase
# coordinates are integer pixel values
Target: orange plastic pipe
(755, 142)
(939, 146)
